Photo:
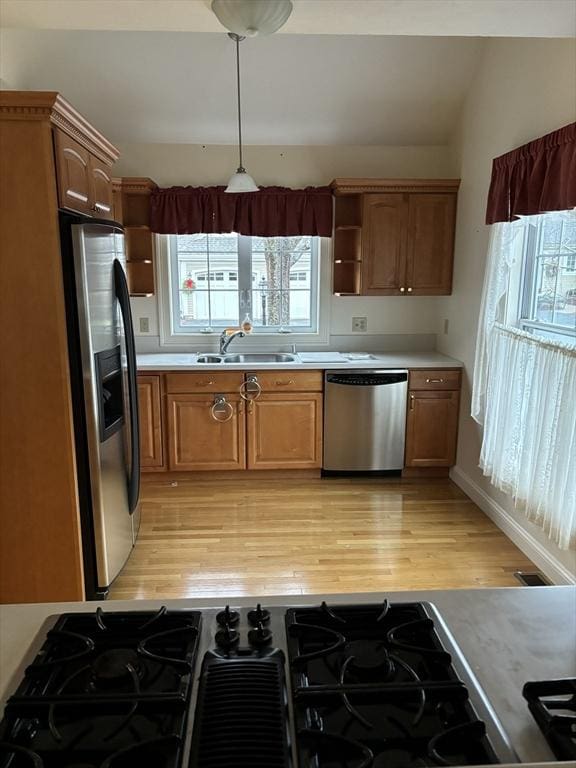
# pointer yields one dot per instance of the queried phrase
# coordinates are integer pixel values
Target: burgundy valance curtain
(535, 178)
(270, 212)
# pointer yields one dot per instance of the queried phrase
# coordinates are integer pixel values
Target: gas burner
(227, 617)
(115, 668)
(368, 661)
(258, 616)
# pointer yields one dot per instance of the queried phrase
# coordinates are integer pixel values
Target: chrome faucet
(225, 340)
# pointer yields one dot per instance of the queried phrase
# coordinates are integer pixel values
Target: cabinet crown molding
(135, 185)
(53, 107)
(364, 185)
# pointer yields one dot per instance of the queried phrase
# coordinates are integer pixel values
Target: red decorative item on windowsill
(188, 284)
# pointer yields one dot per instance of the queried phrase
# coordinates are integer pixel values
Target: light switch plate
(359, 324)
(144, 325)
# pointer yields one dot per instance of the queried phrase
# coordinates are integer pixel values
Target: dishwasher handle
(367, 378)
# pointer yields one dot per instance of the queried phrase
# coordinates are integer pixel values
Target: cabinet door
(285, 431)
(101, 189)
(432, 428)
(151, 452)
(384, 226)
(430, 248)
(73, 173)
(199, 440)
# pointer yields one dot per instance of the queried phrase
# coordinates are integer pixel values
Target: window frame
(203, 339)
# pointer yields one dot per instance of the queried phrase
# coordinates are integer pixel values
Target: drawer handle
(412, 402)
(205, 383)
(221, 406)
(434, 381)
(284, 383)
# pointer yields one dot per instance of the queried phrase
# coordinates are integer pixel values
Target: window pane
(218, 278)
(280, 264)
(207, 280)
(550, 277)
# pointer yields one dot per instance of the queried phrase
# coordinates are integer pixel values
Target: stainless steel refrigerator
(104, 393)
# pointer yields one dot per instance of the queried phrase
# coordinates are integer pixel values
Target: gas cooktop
(347, 686)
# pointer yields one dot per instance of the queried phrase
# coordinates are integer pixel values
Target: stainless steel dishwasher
(364, 420)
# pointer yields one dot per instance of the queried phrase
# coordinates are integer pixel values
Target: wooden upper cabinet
(72, 173)
(101, 189)
(383, 244)
(83, 179)
(406, 235)
(430, 252)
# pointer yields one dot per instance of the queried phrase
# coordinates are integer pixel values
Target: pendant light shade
(252, 17)
(240, 181)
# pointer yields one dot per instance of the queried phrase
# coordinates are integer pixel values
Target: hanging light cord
(238, 39)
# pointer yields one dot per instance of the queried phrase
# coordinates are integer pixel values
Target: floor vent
(535, 579)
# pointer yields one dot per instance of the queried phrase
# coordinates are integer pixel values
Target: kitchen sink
(208, 359)
(260, 357)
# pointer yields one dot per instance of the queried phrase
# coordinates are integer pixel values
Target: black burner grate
(106, 690)
(553, 705)
(373, 687)
(241, 718)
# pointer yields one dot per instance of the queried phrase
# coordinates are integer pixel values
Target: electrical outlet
(144, 325)
(359, 324)
(446, 325)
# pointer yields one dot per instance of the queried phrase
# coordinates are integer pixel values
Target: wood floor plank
(261, 536)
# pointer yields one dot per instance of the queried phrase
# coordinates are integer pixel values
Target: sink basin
(208, 359)
(260, 357)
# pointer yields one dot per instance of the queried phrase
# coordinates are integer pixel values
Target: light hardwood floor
(258, 536)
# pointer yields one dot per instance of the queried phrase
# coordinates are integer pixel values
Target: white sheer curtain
(529, 442)
(503, 252)
(524, 393)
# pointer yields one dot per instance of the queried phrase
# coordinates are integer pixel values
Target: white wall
(522, 90)
(297, 166)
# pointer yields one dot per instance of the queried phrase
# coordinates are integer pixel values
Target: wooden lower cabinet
(197, 440)
(432, 428)
(284, 431)
(149, 404)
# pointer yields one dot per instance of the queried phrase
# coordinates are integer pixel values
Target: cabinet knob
(409, 290)
(402, 290)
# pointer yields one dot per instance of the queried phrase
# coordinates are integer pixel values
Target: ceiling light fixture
(240, 181)
(248, 18)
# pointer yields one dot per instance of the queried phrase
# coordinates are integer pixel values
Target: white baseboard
(540, 556)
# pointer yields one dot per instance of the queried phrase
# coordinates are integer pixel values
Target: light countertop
(508, 636)
(172, 361)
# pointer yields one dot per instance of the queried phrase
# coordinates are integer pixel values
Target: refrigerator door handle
(123, 296)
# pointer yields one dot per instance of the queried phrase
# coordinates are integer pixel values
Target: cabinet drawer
(430, 379)
(290, 381)
(210, 381)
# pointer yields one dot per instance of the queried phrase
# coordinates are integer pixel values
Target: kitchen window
(216, 280)
(548, 280)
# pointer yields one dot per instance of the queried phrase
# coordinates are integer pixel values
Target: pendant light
(249, 18)
(240, 181)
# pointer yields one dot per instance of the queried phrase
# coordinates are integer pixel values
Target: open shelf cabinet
(132, 209)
